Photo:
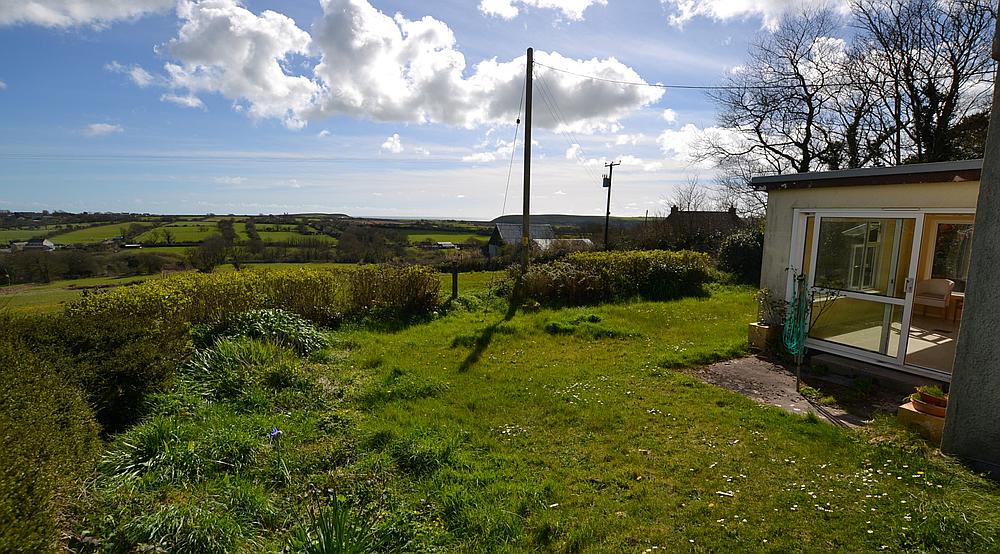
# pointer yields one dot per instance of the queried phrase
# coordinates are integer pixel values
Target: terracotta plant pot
(927, 408)
(931, 399)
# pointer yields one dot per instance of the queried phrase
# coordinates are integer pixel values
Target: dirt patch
(773, 384)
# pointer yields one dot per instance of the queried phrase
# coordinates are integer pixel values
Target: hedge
(595, 277)
(48, 443)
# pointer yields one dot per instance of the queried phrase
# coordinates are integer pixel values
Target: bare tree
(688, 197)
(937, 55)
(912, 86)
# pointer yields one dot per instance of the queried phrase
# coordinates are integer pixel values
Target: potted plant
(930, 399)
(765, 334)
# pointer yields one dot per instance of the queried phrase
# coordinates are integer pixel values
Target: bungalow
(42, 245)
(509, 234)
(885, 255)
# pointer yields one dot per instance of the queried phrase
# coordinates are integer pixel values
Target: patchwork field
(455, 237)
(90, 235)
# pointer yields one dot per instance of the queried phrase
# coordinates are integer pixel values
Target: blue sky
(367, 108)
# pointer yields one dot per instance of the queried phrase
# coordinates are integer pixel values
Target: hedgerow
(594, 277)
(125, 343)
(48, 442)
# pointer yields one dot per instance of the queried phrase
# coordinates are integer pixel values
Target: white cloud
(377, 67)
(480, 157)
(188, 100)
(3, 85)
(770, 11)
(230, 180)
(224, 48)
(101, 129)
(559, 192)
(421, 151)
(393, 144)
(506, 9)
(682, 144)
(323, 134)
(670, 116)
(72, 13)
(621, 140)
(633, 161)
(573, 152)
(138, 75)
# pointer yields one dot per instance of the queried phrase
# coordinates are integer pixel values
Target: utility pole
(526, 210)
(607, 185)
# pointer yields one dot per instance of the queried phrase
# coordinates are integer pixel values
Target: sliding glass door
(860, 273)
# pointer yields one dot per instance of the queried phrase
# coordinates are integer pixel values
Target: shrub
(388, 292)
(742, 253)
(594, 277)
(278, 326)
(48, 443)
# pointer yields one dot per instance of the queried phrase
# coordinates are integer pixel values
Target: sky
(364, 107)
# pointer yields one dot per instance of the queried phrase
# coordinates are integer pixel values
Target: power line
(748, 87)
(513, 149)
(549, 99)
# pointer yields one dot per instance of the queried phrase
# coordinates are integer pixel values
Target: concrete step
(839, 369)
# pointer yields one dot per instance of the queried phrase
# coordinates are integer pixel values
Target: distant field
(50, 297)
(292, 236)
(445, 236)
(90, 235)
(7, 235)
(182, 231)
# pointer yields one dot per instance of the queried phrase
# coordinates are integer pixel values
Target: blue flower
(274, 434)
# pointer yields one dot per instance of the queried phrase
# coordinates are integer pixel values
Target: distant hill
(570, 220)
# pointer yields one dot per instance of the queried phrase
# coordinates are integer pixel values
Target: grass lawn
(89, 235)
(443, 236)
(558, 430)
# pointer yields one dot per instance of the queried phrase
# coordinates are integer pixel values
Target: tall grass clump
(277, 326)
(330, 530)
(48, 444)
(593, 277)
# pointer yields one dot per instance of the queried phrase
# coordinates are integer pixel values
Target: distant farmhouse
(33, 245)
(542, 237)
(704, 223)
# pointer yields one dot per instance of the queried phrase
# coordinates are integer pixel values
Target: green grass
(469, 283)
(556, 430)
(7, 235)
(443, 236)
(50, 297)
(292, 237)
(89, 235)
(184, 231)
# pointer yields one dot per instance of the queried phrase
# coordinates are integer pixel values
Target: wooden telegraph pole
(526, 210)
(607, 185)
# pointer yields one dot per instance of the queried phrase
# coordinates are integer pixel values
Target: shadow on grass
(483, 340)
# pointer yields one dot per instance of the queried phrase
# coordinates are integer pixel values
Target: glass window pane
(952, 253)
(864, 324)
(864, 255)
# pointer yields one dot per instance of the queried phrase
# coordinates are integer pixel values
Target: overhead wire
(748, 87)
(548, 98)
(513, 149)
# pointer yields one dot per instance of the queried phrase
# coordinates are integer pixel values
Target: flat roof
(938, 172)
